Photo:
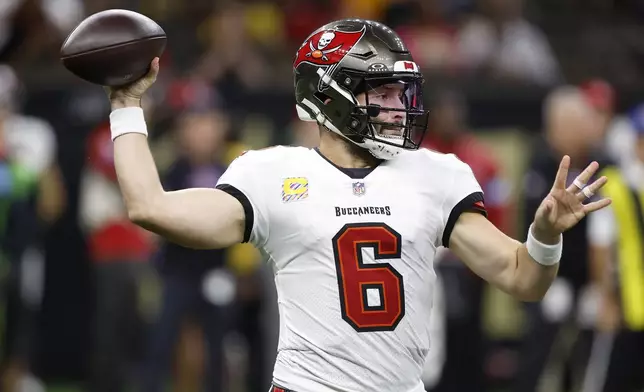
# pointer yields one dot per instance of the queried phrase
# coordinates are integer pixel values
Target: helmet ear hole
(331, 109)
(325, 99)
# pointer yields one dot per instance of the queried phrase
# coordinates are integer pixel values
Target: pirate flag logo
(327, 47)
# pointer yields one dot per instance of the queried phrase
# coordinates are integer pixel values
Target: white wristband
(544, 254)
(127, 120)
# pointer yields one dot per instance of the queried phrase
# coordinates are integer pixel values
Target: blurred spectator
(29, 26)
(429, 34)
(601, 96)
(29, 143)
(618, 135)
(119, 251)
(253, 278)
(448, 133)
(32, 142)
(301, 18)
(615, 237)
(570, 128)
(7, 12)
(501, 44)
(235, 61)
(365, 9)
(196, 283)
(20, 282)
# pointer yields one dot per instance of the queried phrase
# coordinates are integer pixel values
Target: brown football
(113, 47)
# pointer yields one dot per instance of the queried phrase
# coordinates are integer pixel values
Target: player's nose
(397, 117)
(398, 104)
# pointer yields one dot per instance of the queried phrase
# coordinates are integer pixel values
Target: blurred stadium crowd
(88, 302)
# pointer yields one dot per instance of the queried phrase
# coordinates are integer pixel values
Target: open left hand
(564, 206)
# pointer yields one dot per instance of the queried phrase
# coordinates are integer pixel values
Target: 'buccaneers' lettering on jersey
(353, 260)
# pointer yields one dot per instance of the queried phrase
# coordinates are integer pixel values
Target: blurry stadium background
(90, 303)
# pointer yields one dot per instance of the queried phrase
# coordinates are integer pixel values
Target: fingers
(154, 70)
(562, 173)
(592, 189)
(583, 178)
(596, 205)
(547, 210)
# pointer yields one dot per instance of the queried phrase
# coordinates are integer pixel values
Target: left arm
(502, 261)
(505, 262)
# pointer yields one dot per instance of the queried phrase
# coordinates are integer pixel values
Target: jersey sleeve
(243, 181)
(464, 194)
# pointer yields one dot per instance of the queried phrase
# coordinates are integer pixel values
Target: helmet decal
(327, 47)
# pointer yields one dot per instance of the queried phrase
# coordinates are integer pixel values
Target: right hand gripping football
(132, 93)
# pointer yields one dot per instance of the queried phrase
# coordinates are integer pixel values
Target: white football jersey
(352, 252)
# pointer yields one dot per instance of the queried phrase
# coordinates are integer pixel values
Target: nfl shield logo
(358, 188)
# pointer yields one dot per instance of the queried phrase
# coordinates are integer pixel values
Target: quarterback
(350, 228)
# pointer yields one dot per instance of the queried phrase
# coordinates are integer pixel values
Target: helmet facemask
(392, 114)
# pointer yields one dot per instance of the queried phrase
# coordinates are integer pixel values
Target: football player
(350, 227)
